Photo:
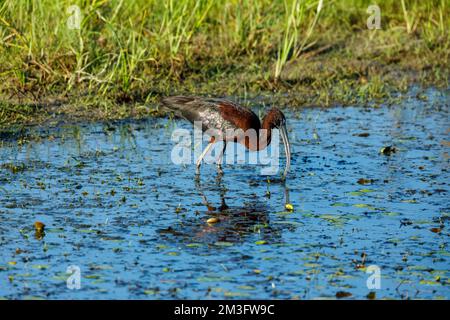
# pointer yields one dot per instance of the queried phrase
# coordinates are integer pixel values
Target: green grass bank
(114, 59)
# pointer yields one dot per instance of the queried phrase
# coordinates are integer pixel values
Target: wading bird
(226, 119)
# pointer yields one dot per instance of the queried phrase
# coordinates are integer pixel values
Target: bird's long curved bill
(287, 150)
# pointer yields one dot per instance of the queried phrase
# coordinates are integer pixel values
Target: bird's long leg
(220, 159)
(199, 161)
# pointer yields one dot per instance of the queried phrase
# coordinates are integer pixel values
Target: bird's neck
(265, 134)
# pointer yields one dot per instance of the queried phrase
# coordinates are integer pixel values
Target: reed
(123, 47)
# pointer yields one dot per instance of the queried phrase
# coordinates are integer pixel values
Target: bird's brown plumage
(220, 116)
(217, 115)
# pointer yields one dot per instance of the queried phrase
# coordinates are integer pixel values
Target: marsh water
(135, 224)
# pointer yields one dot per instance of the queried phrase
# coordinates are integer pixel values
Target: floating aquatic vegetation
(212, 220)
(388, 150)
(343, 294)
(365, 181)
(158, 242)
(39, 230)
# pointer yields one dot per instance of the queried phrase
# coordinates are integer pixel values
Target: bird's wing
(216, 114)
(238, 117)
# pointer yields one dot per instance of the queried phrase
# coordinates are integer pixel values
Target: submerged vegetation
(123, 55)
(106, 197)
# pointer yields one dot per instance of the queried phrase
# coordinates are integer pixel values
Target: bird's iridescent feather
(215, 114)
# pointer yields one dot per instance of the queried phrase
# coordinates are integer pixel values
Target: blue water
(115, 206)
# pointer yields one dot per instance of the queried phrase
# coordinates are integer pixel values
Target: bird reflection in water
(233, 224)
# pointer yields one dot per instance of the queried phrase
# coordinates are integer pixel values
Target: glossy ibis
(220, 116)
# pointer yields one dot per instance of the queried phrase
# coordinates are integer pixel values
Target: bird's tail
(181, 106)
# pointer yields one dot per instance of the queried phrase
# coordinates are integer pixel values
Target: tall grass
(127, 45)
(296, 13)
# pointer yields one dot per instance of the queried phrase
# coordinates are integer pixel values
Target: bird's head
(277, 120)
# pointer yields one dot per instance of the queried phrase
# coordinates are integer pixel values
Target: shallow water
(135, 224)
